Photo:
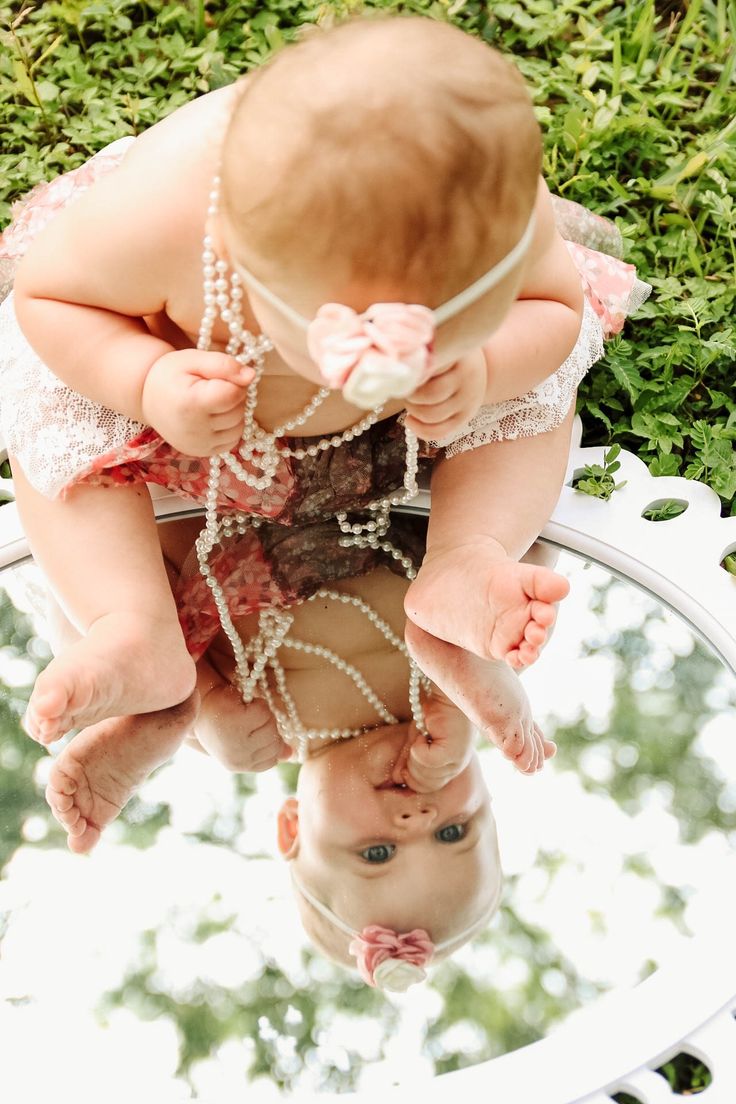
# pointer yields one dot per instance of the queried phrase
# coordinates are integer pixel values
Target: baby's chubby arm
(82, 293)
(542, 326)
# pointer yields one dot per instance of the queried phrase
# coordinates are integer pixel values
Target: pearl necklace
(263, 451)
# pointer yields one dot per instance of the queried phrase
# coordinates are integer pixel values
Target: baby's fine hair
(397, 150)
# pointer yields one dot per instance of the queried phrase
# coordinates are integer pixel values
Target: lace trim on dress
(53, 430)
(545, 406)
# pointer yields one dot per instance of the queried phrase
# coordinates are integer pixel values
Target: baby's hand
(433, 761)
(445, 404)
(242, 736)
(195, 400)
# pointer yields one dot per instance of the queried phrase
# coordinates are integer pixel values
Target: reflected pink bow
(338, 339)
(376, 945)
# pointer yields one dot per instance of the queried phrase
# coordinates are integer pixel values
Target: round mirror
(174, 952)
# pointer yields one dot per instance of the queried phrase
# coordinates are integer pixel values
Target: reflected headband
(392, 960)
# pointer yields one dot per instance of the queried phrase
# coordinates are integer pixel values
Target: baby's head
(384, 160)
(365, 853)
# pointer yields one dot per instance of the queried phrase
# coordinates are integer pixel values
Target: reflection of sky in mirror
(178, 937)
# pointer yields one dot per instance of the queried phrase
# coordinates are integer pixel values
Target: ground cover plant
(638, 106)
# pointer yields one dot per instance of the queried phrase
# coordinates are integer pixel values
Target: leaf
(665, 464)
(47, 91)
(24, 82)
(628, 376)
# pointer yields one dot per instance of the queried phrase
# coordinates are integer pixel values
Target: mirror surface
(175, 952)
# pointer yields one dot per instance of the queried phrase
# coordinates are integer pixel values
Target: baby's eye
(378, 853)
(451, 833)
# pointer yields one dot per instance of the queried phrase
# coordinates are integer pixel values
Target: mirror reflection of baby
(110, 299)
(391, 839)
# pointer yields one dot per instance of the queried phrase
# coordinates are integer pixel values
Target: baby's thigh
(98, 548)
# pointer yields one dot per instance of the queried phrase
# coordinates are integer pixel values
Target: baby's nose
(414, 815)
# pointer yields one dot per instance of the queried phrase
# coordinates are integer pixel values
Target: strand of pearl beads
(262, 452)
(258, 447)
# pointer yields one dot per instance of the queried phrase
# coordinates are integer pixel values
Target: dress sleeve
(541, 409)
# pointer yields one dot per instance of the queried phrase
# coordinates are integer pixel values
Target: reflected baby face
(375, 852)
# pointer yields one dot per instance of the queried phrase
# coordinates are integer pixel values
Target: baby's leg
(488, 506)
(99, 551)
(97, 773)
(488, 692)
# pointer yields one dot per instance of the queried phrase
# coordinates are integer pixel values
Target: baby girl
(375, 211)
(391, 841)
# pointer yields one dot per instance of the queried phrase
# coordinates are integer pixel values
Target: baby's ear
(288, 828)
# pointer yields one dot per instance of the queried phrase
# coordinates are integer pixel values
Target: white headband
(391, 960)
(442, 313)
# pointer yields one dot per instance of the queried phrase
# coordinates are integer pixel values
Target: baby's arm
(82, 292)
(541, 328)
(242, 736)
(536, 336)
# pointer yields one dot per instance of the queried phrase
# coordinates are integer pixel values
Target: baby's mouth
(396, 787)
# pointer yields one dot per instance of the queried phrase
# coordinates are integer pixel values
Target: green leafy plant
(598, 480)
(666, 511)
(685, 1074)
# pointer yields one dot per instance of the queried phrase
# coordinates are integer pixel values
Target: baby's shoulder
(126, 241)
(170, 166)
(187, 140)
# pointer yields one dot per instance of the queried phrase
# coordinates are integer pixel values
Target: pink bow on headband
(388, 960)
(386, 352)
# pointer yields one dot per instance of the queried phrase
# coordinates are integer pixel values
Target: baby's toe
(543, 613)
(526, 654)
(535, 634)
(61, 782)
(85, 841)
(78, 828)
(60, 803)
(68, 818)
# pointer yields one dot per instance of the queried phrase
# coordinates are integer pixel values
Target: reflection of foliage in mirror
(290, 1032)
(479, 1021)
(19, 796)
(286, 1026)
(656, 716)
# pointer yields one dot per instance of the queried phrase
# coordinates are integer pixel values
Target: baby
(391, 841)
(377, 212)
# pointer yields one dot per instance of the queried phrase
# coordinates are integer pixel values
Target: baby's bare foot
(491, 606)
(123, 666)
(488, 693)
(100, 769)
